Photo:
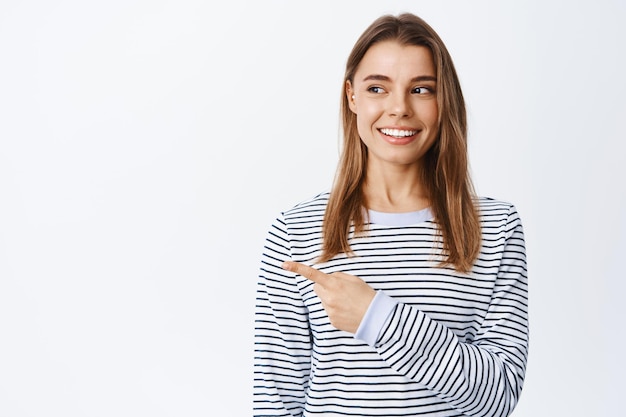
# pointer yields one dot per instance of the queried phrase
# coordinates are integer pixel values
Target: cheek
(363, 130)
(430, 114)
(365, 119)
(368, 115)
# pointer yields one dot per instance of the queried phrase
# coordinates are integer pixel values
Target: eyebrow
(378, 77)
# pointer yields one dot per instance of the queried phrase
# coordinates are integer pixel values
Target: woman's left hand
(345, 297)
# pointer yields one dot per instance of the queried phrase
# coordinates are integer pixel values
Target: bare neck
(394, 188)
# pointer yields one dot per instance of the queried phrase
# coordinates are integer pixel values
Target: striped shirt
(452, 344)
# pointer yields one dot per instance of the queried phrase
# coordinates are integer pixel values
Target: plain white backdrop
(146, 146)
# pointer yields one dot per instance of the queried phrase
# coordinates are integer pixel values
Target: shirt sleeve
(375, 317)
(282, 359)
(483, 377)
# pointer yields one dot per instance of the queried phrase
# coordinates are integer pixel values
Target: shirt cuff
(375, 317)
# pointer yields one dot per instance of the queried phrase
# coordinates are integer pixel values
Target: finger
(306, 271)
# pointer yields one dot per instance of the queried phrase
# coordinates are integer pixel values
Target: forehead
(396, 61)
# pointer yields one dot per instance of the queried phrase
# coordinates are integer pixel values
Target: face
(393, 95)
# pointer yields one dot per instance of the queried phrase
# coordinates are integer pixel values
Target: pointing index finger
(306, 271)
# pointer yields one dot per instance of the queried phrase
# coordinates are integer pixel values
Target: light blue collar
(400, 219)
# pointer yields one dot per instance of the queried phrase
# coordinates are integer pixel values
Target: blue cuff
(375, 317)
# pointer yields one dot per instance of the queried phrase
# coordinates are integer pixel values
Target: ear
(350, 96)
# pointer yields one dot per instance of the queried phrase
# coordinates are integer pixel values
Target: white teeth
(398, 133)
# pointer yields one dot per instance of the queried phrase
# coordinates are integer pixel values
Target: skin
(394, 88)
(344, 297)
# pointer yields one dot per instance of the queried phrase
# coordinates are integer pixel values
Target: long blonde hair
(445, 167)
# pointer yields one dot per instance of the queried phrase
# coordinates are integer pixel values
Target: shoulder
(498, 214)
(488, 206)
(301, 227)
(299, 223)
(308, 210)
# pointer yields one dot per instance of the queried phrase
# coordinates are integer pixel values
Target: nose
(399, 105)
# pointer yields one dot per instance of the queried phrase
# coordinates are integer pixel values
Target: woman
(400, 292)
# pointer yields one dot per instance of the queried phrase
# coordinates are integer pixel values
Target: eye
(375, 89)
(422, 90)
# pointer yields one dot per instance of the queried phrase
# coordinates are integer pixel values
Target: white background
(146, 146)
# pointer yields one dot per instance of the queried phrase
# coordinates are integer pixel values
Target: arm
(483, 377)
(282, 358)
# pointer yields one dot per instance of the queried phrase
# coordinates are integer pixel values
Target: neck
(394, 189)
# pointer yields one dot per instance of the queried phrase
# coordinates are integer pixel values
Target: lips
(400, 136)
(398, 133)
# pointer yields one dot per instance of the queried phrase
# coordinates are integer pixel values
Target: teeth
(398, 133)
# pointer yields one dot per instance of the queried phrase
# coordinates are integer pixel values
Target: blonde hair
(445, 171)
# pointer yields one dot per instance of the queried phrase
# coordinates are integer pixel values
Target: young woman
(399, 293)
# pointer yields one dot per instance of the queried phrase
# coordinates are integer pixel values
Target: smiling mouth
(398, 133)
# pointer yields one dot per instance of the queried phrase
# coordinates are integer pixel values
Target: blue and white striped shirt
(448, 344)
